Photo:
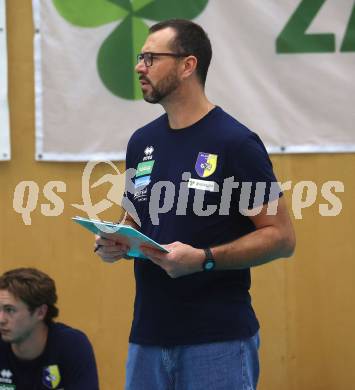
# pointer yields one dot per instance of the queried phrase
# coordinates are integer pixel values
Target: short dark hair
(33, 287)
(190, 39)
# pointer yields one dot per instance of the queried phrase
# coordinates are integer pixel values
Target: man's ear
(41, 312)
(189, 66)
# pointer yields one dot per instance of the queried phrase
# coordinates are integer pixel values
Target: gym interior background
(305, 304)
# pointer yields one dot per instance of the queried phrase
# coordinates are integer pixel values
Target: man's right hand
(110, 251)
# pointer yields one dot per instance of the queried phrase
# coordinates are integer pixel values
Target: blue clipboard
(126, 234)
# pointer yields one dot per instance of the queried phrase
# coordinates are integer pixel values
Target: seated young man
(35, 352)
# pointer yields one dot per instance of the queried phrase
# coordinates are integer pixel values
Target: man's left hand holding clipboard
(110, 250)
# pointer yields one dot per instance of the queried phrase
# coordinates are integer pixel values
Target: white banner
(283, 68)
(4, 107)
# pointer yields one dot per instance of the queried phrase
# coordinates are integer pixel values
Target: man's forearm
(256, 248)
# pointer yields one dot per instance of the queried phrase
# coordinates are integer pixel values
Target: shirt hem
(194, 341)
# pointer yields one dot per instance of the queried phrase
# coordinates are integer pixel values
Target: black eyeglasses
(147, 57)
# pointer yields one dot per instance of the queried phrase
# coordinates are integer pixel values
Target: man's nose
(141, 67)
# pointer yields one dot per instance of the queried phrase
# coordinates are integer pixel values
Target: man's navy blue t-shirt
(67, 363)
(177, 194)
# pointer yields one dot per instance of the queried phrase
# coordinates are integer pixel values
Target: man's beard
(162, 89)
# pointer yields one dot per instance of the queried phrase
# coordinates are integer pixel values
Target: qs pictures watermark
(304, 195)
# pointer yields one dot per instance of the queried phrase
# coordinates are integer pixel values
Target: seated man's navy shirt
(171, 165)
(67, 363)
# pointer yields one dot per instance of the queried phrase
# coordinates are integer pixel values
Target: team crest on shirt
(206, 164)
(51, 377)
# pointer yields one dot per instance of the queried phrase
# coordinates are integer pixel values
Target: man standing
(196, 190)
(35, 352)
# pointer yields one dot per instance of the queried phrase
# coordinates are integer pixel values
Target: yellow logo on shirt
(51, 377)
(206, 164)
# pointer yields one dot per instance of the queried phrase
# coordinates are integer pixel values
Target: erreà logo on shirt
(51, 377)
(6, 379)
(148, 151)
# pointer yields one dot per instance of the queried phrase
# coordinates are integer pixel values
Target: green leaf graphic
(126, 4)
(89, 13)
(117, 58)
(117, 55)
(138, 4)
(167, 9)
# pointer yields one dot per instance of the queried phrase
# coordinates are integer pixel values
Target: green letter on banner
(349, 38)
(293, 38)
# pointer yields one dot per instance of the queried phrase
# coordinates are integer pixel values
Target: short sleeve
(250, 165)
